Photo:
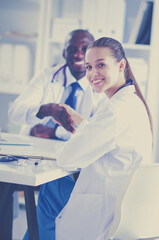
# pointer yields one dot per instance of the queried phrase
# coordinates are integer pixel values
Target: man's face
(74, 53)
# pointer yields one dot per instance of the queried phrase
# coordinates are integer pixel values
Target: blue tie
(71, 100)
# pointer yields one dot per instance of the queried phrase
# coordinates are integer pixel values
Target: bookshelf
(118, 19)
(104, 19)
(35, 24)
(40, 27)
(19, 22)
(20, 39)
(67, 19)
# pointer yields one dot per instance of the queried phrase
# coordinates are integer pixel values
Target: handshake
(63, 114)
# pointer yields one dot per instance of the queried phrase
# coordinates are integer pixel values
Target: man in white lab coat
(38, 107)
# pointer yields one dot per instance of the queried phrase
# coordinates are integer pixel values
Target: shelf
(11, 88)
(52, 41)
(139, 47)
(10, 91)
(17, 39)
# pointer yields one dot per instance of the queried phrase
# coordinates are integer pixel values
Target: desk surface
(26, 171)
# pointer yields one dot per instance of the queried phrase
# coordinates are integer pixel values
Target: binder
(21, 66)
(144, 33)
(6, 61)
(142, 27)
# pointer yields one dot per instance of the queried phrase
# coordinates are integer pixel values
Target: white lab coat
(106, 149)
(41, 90)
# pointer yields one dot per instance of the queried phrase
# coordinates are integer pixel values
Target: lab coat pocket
(80, 218)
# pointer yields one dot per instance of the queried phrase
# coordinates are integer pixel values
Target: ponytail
(130, 75)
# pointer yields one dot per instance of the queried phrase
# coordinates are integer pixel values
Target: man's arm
(24, 109)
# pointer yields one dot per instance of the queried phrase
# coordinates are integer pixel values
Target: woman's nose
(94, 72)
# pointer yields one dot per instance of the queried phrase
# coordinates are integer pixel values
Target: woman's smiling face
(103, 71)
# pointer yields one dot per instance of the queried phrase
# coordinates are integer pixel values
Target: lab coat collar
(130, 89)
(83, 82)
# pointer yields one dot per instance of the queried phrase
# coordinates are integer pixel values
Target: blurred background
(32, 34)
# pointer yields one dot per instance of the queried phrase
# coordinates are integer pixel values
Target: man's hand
(59, 113)
(42, 131)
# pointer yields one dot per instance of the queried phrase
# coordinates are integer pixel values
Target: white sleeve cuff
(62, 133)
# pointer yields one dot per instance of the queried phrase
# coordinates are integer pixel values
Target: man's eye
(72, 50)
(84, 49)
(88, 67)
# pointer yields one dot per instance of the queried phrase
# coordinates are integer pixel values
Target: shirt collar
(83, 82)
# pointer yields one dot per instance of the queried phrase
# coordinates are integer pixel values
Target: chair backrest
(137, 209)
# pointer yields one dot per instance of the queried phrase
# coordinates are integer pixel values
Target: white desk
(28, 175)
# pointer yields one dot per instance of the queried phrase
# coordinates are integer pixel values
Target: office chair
(137, 209)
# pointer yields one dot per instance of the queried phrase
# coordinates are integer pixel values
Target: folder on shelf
(61, 27)
(140, 70)
(137, 23)
(104, 18)
(144, 33)
(6, 62)
(21, 66)
(142, 27)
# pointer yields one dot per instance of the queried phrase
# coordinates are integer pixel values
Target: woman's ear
(122, 64)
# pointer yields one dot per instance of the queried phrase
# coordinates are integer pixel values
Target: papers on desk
(31, 147)
(20, 141)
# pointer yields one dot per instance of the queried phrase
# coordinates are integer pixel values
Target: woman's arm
(93, 139)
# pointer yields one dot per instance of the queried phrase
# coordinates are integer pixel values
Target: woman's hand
(75, 117)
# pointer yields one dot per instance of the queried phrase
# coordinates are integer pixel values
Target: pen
(18, 157)
(8, 159)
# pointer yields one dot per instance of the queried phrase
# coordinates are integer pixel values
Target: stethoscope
(64, 73)
(128, 82)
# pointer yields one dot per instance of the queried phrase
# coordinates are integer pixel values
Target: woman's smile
(97, 81)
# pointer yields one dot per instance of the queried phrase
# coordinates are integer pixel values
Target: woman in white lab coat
(105, 149)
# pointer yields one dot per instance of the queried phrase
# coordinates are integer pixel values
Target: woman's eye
(101, 65)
